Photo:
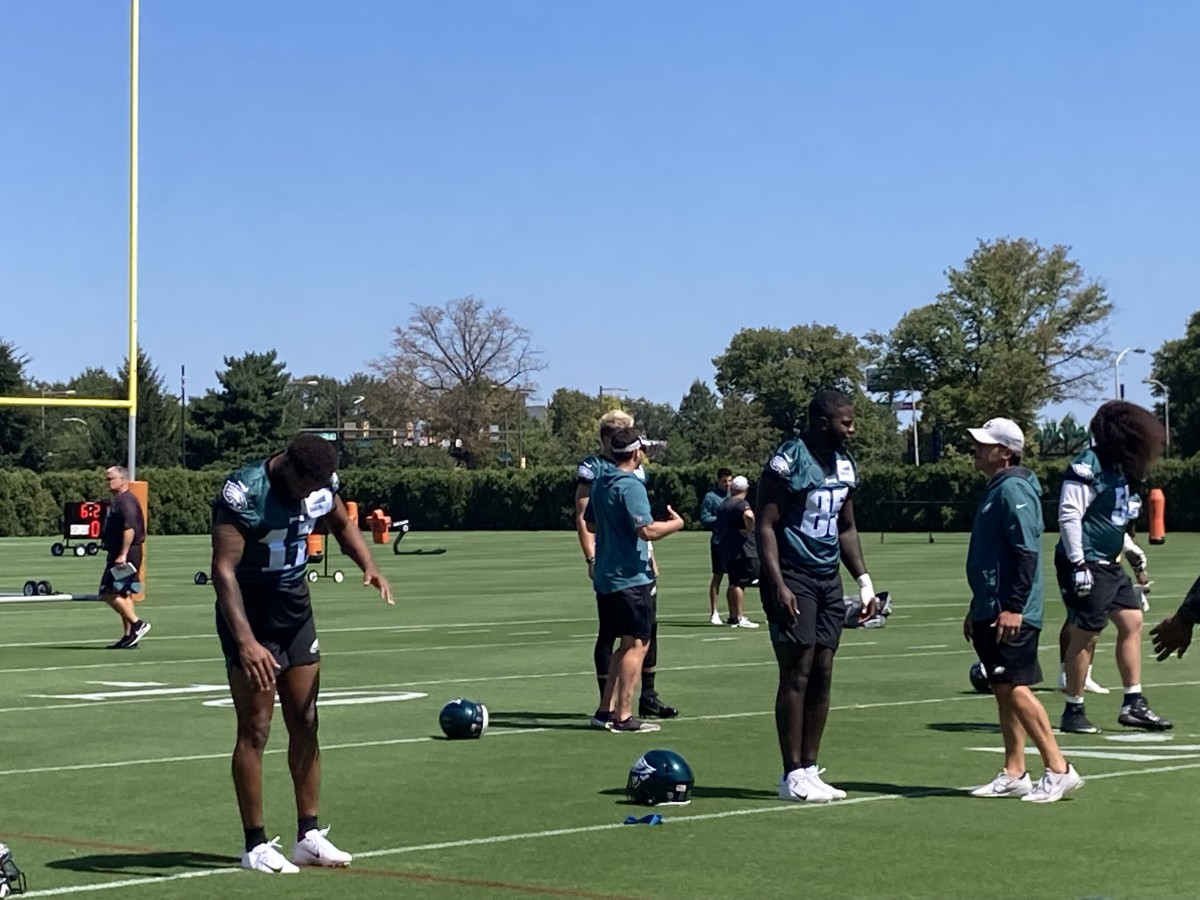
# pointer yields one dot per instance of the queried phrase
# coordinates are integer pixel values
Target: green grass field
(114, 770)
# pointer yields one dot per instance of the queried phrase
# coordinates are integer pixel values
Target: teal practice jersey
(809, 525)
(276, 528)
(1114, 506)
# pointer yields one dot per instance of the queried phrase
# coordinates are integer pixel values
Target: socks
(304, 825)
(254, 837)
(1132, 694)
(1075, 704)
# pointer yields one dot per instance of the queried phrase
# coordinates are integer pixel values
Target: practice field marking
(453, 628)
(201, 757)
(493, 678)
(527, 633)
(930, 647)
(497, 731)
(710, 640)
(781, 807)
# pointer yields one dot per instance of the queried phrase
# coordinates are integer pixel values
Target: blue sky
(632, 182)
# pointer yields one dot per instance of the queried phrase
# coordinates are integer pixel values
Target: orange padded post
(379, 526)
(141, 490)
(352, 513)
(1158, 517)
(316, 547)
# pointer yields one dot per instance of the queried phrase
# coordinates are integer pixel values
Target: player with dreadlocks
(1098, 500)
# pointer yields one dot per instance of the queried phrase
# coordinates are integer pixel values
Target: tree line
(1018, 326)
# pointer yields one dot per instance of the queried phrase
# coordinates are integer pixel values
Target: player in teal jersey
(619, 512)
(710, 510)
(1095, 507)
(1004, 622)
(261, 522)
(591, 468)
(806, 531)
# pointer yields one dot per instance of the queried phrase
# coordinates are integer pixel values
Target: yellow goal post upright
(138, 488)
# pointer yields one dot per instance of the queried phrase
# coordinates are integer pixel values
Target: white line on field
(813, 809)
(710, 640)
(526, 633)
(714, 717)
(930, 647)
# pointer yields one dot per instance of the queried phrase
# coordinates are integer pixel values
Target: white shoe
(743, 622)
(800, 786)
(1051, 787)
(267, 858)
(1089, 684)
(815, 774)
(314, 849)
(715, 619)
(1004, 785)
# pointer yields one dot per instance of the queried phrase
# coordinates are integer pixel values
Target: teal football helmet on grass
(979, 679)
(660, 778)
(463, 718)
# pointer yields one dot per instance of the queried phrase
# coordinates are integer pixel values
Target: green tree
(1177, 365)
(573, 418)
(18, 425)
(157, 417)
(1018, 327)
(781, 370)
(244, 419)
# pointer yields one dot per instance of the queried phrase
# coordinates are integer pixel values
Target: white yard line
(676, 820)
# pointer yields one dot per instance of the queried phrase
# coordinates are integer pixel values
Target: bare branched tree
(464, 361)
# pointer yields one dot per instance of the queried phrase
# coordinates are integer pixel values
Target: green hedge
(937, 497)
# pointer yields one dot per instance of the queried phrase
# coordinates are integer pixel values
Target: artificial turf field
(114, 765)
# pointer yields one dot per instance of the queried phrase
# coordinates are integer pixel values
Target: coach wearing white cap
(1004, 570)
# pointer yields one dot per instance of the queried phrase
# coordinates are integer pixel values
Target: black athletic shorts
(107, 582)
(1013, 663)
(743, 571)
(718, 562)
(291, 637)
(821, 611)
(628, 612)
(1111, 591)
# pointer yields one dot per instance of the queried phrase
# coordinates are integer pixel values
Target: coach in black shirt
(124, 534)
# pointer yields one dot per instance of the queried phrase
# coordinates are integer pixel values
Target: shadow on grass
(144, 863)
(965, 727)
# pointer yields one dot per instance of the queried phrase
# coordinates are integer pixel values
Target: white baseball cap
(740, 483)
(1004, 432)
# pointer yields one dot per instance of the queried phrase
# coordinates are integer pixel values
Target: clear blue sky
(309, 170)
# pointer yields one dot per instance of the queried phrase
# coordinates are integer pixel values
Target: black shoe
(1138, 714)
(139, 631)
(601, 719)
(652, 707)
(1076, 722)
(632, 725)
(122, 644)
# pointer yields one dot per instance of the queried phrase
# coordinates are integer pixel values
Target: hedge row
(937, 497)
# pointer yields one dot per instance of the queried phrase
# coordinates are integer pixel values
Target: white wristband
(866, 590)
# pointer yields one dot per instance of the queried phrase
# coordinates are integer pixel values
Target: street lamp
(45, 393)
(1166, 408)
(1117, 363)
(603, 389)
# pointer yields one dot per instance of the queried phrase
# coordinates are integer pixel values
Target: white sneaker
(314, 849)
(1089, 684)
(743, 622)
(815, 774)
(715, 619)
(1004, 785)
(800, 786)
(1051, 787)
(267, 858)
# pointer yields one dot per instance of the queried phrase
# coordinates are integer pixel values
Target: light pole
(602, 390)
(1166, 408)
(1116, 366)
(46, 393)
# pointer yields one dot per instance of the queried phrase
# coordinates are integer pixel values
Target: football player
(619, 511)
(261, 522)
(1097, 502)
(710, 510)
(739, 552)
(649, 703)
(1004, 570)
(806, 531)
